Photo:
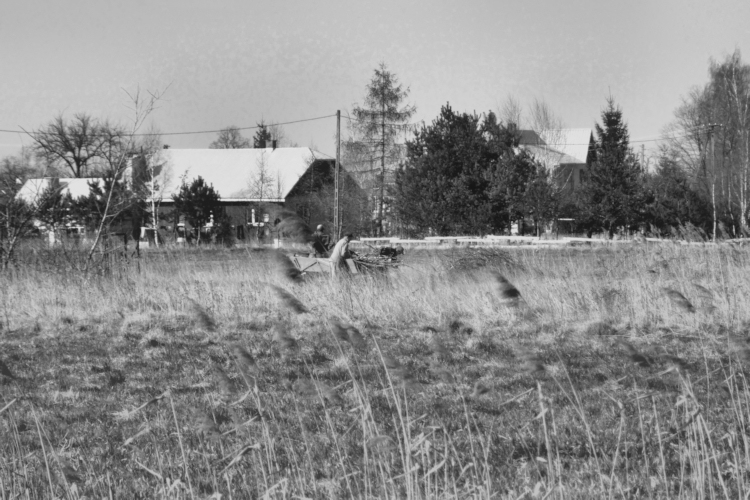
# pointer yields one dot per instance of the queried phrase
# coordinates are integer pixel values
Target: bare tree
(117, 163)
(548, 127)
(14, 170)
(262, 182)
(230, 138)
(77, 145)
(731, 85)
(511, 111)
(151, 173)
(278, 134)
(710, 140)
(552, 186)
(542, 117)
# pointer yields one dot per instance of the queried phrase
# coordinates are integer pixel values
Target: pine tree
(439, 187)
(53, 206)
(197, 202)
(262, 136)
(462, 176)
(612, 191)
(541, 197)
(676, 202)
(98, 206)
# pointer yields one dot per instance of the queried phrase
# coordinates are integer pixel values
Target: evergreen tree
(612, 191)
(262, 135)
(98, 206)
(197, 202)
(435, 189)
(675, 201)
(53, 207)
(463, 176)
(223, 230)
(541, 198)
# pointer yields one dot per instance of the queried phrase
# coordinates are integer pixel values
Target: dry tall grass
(541, 374)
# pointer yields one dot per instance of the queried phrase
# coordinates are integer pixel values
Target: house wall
(313, 196)
(567, 176)
(240, 214)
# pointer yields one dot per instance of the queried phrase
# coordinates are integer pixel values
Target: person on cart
(320, 242)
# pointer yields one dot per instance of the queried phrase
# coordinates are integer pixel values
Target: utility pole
(643, 157)
(336, 228)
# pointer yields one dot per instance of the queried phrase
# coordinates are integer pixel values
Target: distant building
(566, 152)
(255, 185)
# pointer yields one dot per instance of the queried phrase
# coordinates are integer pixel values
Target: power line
(183, 133)
(398, 125)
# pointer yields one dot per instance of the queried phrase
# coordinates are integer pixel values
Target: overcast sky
(237, 62)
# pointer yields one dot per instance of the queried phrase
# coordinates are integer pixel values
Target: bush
(223, 230)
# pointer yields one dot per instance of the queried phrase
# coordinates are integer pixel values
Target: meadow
(212, 373)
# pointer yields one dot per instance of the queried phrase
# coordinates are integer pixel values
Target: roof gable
(574, 142)
(232, 171)
(529, 137)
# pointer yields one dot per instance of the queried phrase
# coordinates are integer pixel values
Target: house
(255, 185)
(566, 152)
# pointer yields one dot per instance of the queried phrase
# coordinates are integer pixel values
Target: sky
(239, 62)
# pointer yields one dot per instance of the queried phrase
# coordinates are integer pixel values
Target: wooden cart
(358, 265)
(319, 264)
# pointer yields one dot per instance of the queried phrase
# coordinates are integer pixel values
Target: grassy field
(620, 373)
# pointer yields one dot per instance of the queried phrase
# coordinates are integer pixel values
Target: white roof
(570, 141)
(232, 171)
(33, 188)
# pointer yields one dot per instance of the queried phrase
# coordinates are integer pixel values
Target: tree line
(467, 174)
(462, 173)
